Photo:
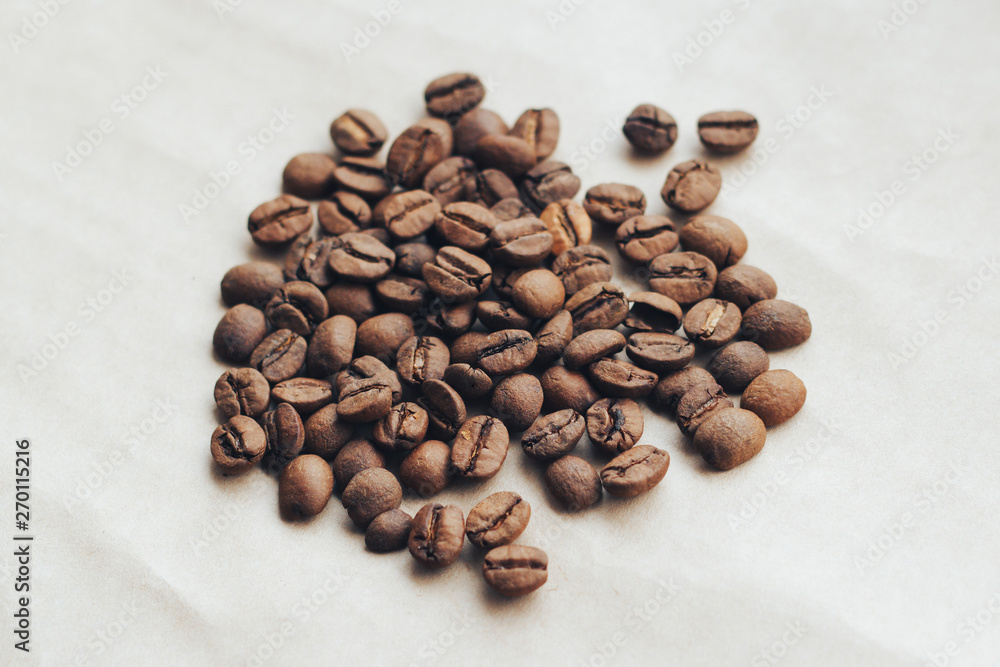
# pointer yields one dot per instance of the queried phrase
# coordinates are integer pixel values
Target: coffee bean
(659, 352)
(466, 225)
(497, 315)
(582, 266)
(712, 323)
(364, 176)
(355, 456)
(506, 352)
(358, 132)
(497, 519)
(445, 408)
(242, 391)
(293, 256)
(389, 531)
(252, 283)
(285, 433)
(573, 483)
(504, 278)
(437, 534)
(597, 306)
(309, 176)
(490, 187)
(670, 389)
(452, 95)
(381, 336)
(614, 203)
(614, 425)
(565, 388)
(306, 395)
(539, 293)
(457, 275)
(279, 221)
(698, 404)
(365, 368)
(644, 237)
(304, 487)
(362, 258)
(314, 264)
(731, 436)
(442, 128)
(650, 129)
(517, 401)
(511, 208)
(553, 337)
(553, 435)
(343, 212)
(365, 399)
(422, 358)
(427, 469)
(402, 429)
(465, 348)
(652, 311)
(511, 155)
(634, 472)
(744, 285)
(451, 179)
(620, 379)
(238, 444)
(470, 382)
(540, 128)
(568, 223)
(480, 448)
(473, 126)
(402, 294)
(408, 215)
(279, 356)
(715, 237)
(514, 569)
(369, 493)
(521, 242)
(411, 257)
(413, 154)
(239, 331)
(299, 306)
(685, 277)
(727, 131)
(775, 324)
(549, 182)
(592, 345)
(354, 300)
(452, 320)
(737, 364)
(691, 186)
(774, 396)
(326, 433)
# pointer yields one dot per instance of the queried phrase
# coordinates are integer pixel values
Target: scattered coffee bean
(490, 187)
(729, 437)
(691, 186)
(497, 315)
(309, 176)
(381, 336)
(592, 345)
(408, 215)
(353, 457)
(453, 320)
(369, 493)
(573, 482)
(242, 391)
(634, 472)
(442, 128)
(402, 294)
(652, 311)
(685, 277)
(737, 364)
(304, 487)
(358, 132)
(540, 128)
(498, 519)
(326, 433)
(411, 257)
(774, 396)
(365, 399)
(597, 306)
(285, 433)
(361, 258)
(451, 179)
(457, 275)
(775, 324)
(280, 220)
(252, 283)
(402, 429)
(389, 531)
(644, 237)
(727, 131)
(506, 352)
(744, 285)
(364, 176)
(614, 203)
(539, 293)
(521, 242)
(473, 126)
(511, 155)
(470, 382)
(445, 408)
(412, 155)
(280, 355)
(517, 401)
(465, 348)
(715, 237)
(314, 266)
(568, 223)
(437, 535)
(514, 570)
(452, 95)
(355, 300)
(698, 404)
(306, 395)
(582, 266)
(422, 358)
(343, 212)
(298, 307)
(427, 469)
(620, 379)
(480, 448)
(240, 331)
(549, 182)
(553, 337)
(510, 209)
(466, 225)
(615, 425)
(659, 352)
(238, 444)
(553, 435)
(650, 129)
(712, 323)
(565, 388)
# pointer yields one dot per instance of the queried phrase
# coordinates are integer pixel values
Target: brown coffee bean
(774, 396)
(252, 283)
(306, 395)
(445, 408)
(369, 493)
(442, 128)
(521, 242)
(422, 358)
(298, 307)
(355, 456)
(671, 388)
(238, 444)
(466, 225)
(304, 487)
(473, 126)
(775, 324)
(497, 315)
(437, 534)
(293, 257)
(389, 531)
(573, 483)
(553, 435)
(729, 437)
(644, 237)
(470, 382)
(517, 401)
(614, 203)
(452, 95)
(452, 320)
(698, 404)
(540, 128)
(615, 425)
(457, 275)
(490, 187)
(744, 285)
(427, 469)
(451, 179)
(480, 448)
(582, 266)
(510, 209)
(634, 472)
(511, 155)
(652, 311)
(715, 237)
(361, 258)
(411, 257)
(691, 186)
(737, 364)
(402, 294)
(549, 182)
(279, 356)
(514, 569)
(553, 337)
(402, 429)
(309, 176)
(280, 220)
(326, 433)
(650, 129)
(286, 435)
(365, 400)
(364, 176)
(465, 348)
(504, 278)
(568, 223)
(506, 352)
(539, 293)
(727, 131)
(355, 300)
(242, 391)
(314, 264)
(358, 132)
(620, 379)
(565, 388)
(659, 352)
(343, 212)
(412, 155)
(685, 277)
(592, 345)
(382, 335)
(597, 306)
(712, 323)
(239, 331)
(497, 519)
(408, 215)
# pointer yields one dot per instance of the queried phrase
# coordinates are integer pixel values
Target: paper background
(117, 576)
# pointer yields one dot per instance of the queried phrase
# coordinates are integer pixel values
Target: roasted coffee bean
(490, 187)
(540, 128)
(326, 433)
(427, 469)
(437, 534)
(497, 315)
(597, 306)
(568, 223)
(737, 364)
(775, 324)
(521, 242)
(573, 483)
(652, 311)
(242, 391)
(727, 131)
(411, 257)
(452, 95)
(465, 348)
(299, 306)
(691, 186)
(314, 266)
(670, 389)
(553, 435)
(565, 388)
(774, 396)
(470, 382)
(504, 278)
(506, 352)
(422, 358)
(582, 266)
(514, 569)
(473, 126)
(517, 401)
(712, 323)
(286, 435)
(510, 209)
(306, 395)
(343, 212)
(698, 404)
(614, 425)
(659, 352)
(553, 337)
(365, 368)
(279, 356)
(402, 429)
(480, 448)
(309, 176)
(238, 444)
(442, 128)
(511, 155)
(539, 293)
(252, 283)
(720, 239)
(365, 400)
(355, 456)
(354, 300)
(445, 408)
(389, 531)
(466, 225)
(364, 176)
(650, 129)
(412, 155)
(304, 487)
(362, 258)
(381, 336)
(614, 203)
(685, 277)
(549, 182)
(402, 294)
(457, 275)
(452, 320)
(239, 331)
(408, 215)
(731, 436)
(744, 285)
(644, 237)
(634, 472)
(293, 257)
(592, 345)
(358, 132)
(451, 179)
(498, 519)
(369, 493)
(280, 220)
(620, 379)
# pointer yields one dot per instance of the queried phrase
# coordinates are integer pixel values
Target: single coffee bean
(490, 187)
(365, 401)
(358, 132)
(553, 337)
(565, 388)
(620, 379)
(286, 435)
(452, 95)
(652, 311)
(306, 395)
(309, 176)
(549, 182)
(451, 179)
(514, 569)
(473, 126)
(712, 323)
(480, 447)
(685, 277)
(252, 283)
(427, 469)
(382, 335)
(326, 432)
(670, 389)
(691, 186)
(466, 225)
(304, 487)
(242, 391)
(369, 493)
(437, 534)
(510, 209)
(521, 242)
(280, 220)
(517, 401)
(737, 364)
(498, 519)
(592, 345)
(411, 257)
(597, 306)
(279, 356)
(506, 352)
(402, 429)
(457, 275)
(445, 408)
(422, 358)
(408, 215)
(389, 531)
(343, 212)
(355, 456)
(650, 129)
(715, 237)
(727, 131)
(729, 437)
(582, 266)
(364, 176)
(299, 306)
(774, 396)
(698, 404)
(659, 352)
(239, 332)
(511, 155)
(614, 203)
(540, 128)
(504, 278)
(634, 472)
(614, 425)
(442, 128)
(465, 348)
(644, 237)
(497, 315)
(402, 294)
(568, 223)
(362, 258)
(314, 266)
(413, 154)
(539, 293)
(452, 320)
(553, 435)
(775, 324)
(573, 483)
(744, 285)
(238, 444)
(355, 300)
(470, 382)
(293, 257)
(366, 368)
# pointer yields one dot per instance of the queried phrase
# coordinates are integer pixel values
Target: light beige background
(864, 534)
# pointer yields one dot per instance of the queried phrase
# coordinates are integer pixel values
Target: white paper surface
(863, 534)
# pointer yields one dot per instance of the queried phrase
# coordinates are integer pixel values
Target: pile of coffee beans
(440, 303)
